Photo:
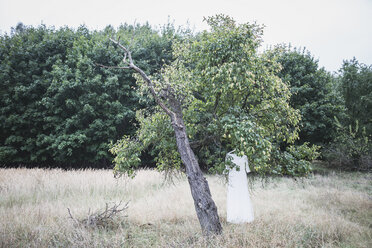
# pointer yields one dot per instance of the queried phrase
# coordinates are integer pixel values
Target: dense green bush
(356, 88)
(313, 93)
(351, 147)
(57, 105)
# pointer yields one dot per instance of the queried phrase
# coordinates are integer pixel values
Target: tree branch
(112, 67)
(152, 90)
(128, 54)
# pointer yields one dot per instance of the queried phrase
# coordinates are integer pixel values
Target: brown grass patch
(324, 211)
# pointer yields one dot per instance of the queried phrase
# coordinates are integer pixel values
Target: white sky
(333, 30)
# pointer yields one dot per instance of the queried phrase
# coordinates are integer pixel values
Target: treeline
(336, 108)
(59, 107)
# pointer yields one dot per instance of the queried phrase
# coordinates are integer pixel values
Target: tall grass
(332, 210)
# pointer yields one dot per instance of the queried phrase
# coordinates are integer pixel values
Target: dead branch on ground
(101, 218)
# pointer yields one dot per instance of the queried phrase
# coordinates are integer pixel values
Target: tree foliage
(314, 93)
(57, 105)
(356, 88)
(352, 144)
(232, 98)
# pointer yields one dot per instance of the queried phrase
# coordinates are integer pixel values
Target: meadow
(332, 209)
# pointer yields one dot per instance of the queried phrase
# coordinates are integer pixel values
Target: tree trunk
(205, 207)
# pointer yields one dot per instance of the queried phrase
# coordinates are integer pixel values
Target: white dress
(239, 205)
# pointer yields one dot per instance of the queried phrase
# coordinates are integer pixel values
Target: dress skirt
(239, 205)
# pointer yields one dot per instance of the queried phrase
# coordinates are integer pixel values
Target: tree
(204, 205)
(313, 93)
(356, 89)
(218, 94)
(352, 146)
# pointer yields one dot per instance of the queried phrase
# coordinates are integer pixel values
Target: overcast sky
(332, 30)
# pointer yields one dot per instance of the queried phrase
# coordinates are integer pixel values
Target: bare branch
(75, 220)
(152, 90)
(69, 212)
(101, 218)
(113, 67)
(144, 77)
(127, 52)
(125, 59)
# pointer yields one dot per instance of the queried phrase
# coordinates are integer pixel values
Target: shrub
(352, 148)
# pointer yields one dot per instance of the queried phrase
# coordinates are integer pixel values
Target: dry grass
(324, 211)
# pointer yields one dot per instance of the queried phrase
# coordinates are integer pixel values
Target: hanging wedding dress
(239, 206)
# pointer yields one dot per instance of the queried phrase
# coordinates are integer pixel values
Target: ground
(332, 209)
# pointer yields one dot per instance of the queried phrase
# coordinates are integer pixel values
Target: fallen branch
(101, 218)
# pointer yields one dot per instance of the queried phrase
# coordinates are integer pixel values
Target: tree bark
(205, 207)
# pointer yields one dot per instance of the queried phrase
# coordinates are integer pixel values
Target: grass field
(333, 210)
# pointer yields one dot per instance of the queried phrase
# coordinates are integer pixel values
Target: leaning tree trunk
(205, 207)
